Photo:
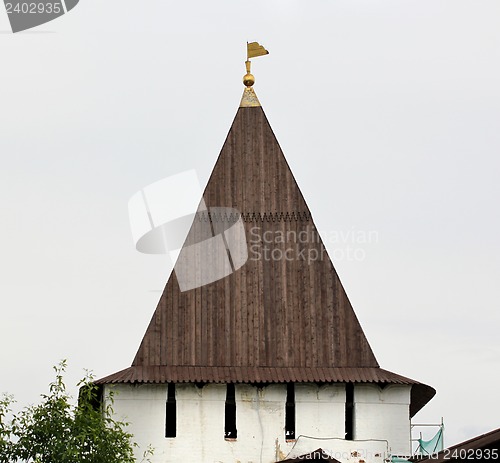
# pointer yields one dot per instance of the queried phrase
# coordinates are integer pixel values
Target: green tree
(55, 431)
(5, 428)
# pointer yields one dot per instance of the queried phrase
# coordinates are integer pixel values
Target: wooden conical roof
(273, 319)
(269, 313)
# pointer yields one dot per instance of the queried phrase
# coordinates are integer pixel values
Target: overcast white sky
(388, 112)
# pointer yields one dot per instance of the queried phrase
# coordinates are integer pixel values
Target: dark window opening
(290, 412)
(91, 395)
(230, 431)
(349, 411)
(171, 412)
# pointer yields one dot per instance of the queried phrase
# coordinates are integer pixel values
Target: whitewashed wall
(260, 418)
(320, 411)
(383, 414)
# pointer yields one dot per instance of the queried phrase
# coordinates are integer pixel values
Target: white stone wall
(383, 414)
(320, 411)
(144, 408)
(260, 420)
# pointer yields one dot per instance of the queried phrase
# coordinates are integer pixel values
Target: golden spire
(249, 98)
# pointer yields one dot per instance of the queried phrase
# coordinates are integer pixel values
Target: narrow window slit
(171, 412)
(349, 411)
(230, 431)
(290, 412)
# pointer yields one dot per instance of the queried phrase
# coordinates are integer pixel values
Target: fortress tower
(270, 362)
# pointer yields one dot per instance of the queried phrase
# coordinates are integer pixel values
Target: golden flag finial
(254, 49)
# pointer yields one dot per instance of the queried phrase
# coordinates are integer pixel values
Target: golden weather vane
(254, 49)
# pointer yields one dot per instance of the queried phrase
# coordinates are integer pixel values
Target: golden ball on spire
(248, 79)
